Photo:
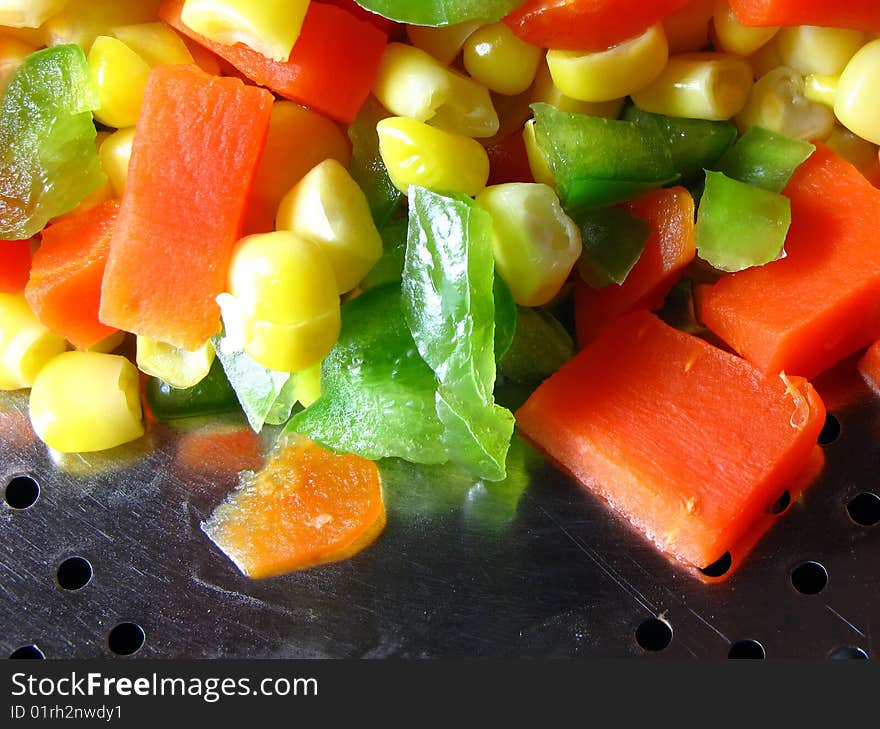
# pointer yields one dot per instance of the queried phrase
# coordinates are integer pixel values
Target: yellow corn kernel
(82, 21)
(25, 344)
(809, 49)
(416, 154)
(444, 43)
(83, 402)
(611, 74)
(121, 76)
(777, 102)
(496, 58)
(534, 242)
(544, 90)
(541, 171)
(821, 89)
(12, 53)
(413, 84)
(286, 291)
(28, 13)
(711, 86)
(734, 37)
(156, 43)
(308, 385)
(270, 27)
(328, 208)
(115, 154)
(180, 368)
(687, 29)
(857, 105)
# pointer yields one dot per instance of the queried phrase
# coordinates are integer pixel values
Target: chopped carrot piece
(651, 419)
(869, 366)
(668, 252)
(195, 153)
(821, 303)
(305, 508)
(64, 289)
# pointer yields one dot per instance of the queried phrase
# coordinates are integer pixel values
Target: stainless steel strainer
(110, 559)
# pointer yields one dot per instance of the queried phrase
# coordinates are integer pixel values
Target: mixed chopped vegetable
(406, 233)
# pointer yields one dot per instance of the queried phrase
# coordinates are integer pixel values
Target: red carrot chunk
(64, 289)
(689, 443)
(195, 153)
(669, 250)
(821, 303)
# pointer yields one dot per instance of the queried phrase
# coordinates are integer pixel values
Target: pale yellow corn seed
(83, 402)
(443, 43)
(28, 13)
(115, 153)
(417, 154)
(270, 27)
(544, 90)
(285, 294)
(308, 385)
(328, 208)
(534, 242)
(156, 43)
(766, 58)
(821, 89)
(121, 77)
(411, 83)
(25, 344)
(611, 74)
(712, 86)
(734, 37)
(777, 102)
(541, 171)
(498, 59)
(180, 368)
(82, 21)
(809, 49)
(108, 344)
(857, 105)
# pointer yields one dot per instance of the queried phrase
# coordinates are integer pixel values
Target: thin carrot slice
(669, 250)
(821, 303)
(194, 157)
(689, 443)
(306, 507)
(64, 289)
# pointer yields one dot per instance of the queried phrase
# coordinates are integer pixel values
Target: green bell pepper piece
(540, 347)
(696, 144)
(765, 158)
(598, 161)
(740, 225)
(614, 240)
(367, 167)
(48, 161)
(440, 12)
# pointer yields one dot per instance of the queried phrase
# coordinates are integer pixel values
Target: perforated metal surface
(565, 578)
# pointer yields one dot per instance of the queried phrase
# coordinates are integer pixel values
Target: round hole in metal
(719, 567)
(848, 653)
(22, 492)
(750, 649)
(126, 639)
(654, 634)
(780, 506)
(74, 573)
(28, 652)
(809, 578)
(830, 431)
(864, 509)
